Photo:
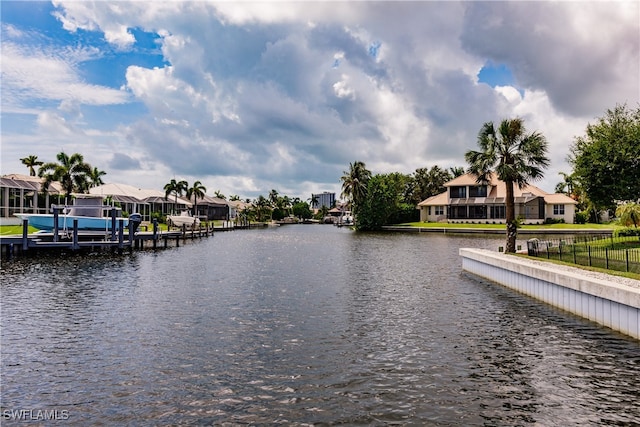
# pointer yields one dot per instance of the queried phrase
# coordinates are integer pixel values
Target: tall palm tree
(176, 188)
(354, 184)
(31, 162)
(313, 200)
(261, 204)
(516, 158)
(196, 192)
(71, 171)
(95, 177)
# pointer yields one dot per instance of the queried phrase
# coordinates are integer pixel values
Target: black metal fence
(613, 253)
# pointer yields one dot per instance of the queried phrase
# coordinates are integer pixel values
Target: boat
(87, 209)
(288, 220)
(185, 218)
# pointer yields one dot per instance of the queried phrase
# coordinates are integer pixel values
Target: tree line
(605, 176)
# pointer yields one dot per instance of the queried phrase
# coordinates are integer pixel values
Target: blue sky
(249, 97)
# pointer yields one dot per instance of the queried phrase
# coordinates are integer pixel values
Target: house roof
(29, 183)
(497, 193)
(559, 199)
(438, 200)
(470, 179)
(130, 194)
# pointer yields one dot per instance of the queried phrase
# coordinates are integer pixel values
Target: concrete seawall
(609, 301)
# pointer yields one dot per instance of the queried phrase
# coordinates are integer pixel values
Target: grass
(628, 275)
(502, 226)
(13, 230)
(16, 230)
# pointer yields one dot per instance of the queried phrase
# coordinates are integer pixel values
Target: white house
(468, 201)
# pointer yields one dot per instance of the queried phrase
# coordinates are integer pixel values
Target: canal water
(299, 325)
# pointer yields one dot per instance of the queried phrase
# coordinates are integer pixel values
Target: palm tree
(71, 171)
(354, 184)
(261, 204)
(629, 214)
(456, 171)
(30, 162)
(95, 177)
(516, 158)
(197, 192)
(314, 201)
(219, 195)
(176, 188)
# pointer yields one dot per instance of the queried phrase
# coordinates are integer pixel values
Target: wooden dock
(117, 240)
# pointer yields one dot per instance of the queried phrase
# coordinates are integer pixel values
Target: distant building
(323, 199)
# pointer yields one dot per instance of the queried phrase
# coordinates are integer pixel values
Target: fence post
(560, 250)
(589, 251)
(547, 250)
(626, 255)
(606, 257)
(574, 254)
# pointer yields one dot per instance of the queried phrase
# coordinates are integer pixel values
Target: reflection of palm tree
(197, 192)
(354, 183)
(72, 172)
(31, 162)
(516, 158)
(176, 188)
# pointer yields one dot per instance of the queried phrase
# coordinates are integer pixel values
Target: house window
(498, 212)
(439, 210)
(459, 192)
(477, 212)
(479, 191)
(558, 209)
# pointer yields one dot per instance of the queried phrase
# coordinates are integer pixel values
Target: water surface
(304, 325)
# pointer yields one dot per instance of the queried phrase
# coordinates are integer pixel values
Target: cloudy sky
(252, 96)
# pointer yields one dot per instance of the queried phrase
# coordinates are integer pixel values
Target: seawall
(610, 301)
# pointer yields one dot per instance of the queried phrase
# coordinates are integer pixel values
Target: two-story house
(468, 201)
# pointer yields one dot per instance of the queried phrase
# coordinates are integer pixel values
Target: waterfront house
(465, 200)
(210, 208)
(25, 194)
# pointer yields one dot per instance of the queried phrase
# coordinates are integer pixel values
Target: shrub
(581, 217)
(627, 232)
(554, 221)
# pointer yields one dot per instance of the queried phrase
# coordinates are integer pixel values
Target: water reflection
(301, 324)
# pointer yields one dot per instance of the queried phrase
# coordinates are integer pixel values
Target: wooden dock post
(130, 237)
(55, 223)
(113, 224)
(155, 233)
(120, 235)
(75, 246)
(25, 234)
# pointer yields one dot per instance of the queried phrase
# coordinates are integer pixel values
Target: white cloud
(281, 95)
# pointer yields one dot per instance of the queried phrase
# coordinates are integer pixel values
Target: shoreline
(462, 230)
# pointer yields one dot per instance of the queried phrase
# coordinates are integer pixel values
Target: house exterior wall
(568, 215)
(428, 213)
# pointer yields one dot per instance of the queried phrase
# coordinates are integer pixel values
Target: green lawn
(11, 230)
(525, 227)
(629, 275)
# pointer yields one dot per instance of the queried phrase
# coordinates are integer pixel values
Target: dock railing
(612, 253)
